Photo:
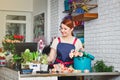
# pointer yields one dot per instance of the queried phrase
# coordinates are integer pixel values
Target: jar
(2, 62)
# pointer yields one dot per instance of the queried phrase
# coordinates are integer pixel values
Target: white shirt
(77, 45)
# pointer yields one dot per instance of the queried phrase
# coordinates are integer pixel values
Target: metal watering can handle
(87, 54)
(91, 56)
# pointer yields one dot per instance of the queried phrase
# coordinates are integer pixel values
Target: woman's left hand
(75, 53)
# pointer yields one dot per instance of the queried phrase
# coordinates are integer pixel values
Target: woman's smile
(65, 31)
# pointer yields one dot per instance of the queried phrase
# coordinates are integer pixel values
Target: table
(9, 74)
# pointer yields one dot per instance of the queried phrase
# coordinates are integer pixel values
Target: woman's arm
(53, 52)
(78, 45)
(52, 56)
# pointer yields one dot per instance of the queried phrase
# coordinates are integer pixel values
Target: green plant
(9, 40)
(16, 58)
(43, 59)
(28, 56)
(100, 66)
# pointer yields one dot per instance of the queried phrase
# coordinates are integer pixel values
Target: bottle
(40, 46)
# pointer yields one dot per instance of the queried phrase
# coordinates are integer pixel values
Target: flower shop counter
(9, 74)
(71, 74)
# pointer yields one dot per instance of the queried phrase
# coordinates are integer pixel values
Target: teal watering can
(84, 62)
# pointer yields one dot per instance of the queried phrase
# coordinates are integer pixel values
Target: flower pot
(43, 67)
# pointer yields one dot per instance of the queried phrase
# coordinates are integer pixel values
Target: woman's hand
(71, 55)
(49, 60)
(75, 53)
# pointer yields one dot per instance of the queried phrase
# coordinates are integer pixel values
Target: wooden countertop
(5, 69)
(72, 74)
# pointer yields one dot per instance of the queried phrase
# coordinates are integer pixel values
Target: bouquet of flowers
(9, 40)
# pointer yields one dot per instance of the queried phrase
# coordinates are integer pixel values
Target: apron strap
(74, 41)
(59, 40)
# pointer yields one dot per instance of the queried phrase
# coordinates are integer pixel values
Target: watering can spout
(88, 55)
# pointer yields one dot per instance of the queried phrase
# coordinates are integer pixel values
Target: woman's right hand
(49, 60)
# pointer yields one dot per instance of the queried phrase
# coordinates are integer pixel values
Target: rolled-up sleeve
(78, 45)
(54, 43)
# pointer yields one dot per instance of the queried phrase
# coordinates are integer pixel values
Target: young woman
(62, 46)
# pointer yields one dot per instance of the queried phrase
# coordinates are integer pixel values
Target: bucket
(83, 63)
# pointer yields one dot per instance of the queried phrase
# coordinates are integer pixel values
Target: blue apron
(63, 50)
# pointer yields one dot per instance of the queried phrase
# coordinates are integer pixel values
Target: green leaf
(100, 66)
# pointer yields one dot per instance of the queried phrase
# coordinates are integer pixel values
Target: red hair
(68, 22)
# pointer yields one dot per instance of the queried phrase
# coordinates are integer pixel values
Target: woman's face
(65, 30)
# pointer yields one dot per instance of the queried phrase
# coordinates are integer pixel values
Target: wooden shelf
(92, 6)
(89, 6)
(85, 17)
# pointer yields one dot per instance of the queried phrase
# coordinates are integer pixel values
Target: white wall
(102, 35)
(39, 6)
(16, 5)
(2, 28)
(56, 15)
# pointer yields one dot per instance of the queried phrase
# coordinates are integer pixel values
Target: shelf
(89, 6)
(85, 17)
(92, 6)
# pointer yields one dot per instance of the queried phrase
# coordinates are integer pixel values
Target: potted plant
(29, 61)
(9, 40)
(8, 43)
(100, 66)
(44, 63)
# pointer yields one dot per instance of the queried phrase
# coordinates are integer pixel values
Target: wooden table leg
(80, 78)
